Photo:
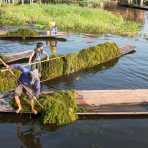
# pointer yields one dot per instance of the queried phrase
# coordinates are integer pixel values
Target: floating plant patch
(24, 32)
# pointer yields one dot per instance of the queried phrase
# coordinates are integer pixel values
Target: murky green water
(130, 71)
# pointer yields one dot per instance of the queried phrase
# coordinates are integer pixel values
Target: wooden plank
(17, 57)
(21, 56)
(95, 98)
(107, 97)
(110, 115)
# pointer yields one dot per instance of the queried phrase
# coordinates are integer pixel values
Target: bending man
(28, 83)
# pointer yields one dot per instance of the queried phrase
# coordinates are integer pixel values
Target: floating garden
(69, 18)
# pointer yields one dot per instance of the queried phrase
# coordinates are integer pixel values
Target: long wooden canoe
(14, 38)
(17, 57)
(24, 56)
(101, 103)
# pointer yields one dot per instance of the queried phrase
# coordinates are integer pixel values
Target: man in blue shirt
(28, 83)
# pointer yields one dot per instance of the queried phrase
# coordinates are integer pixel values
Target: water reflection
(29, 137)
(52, 45)
(127, 13)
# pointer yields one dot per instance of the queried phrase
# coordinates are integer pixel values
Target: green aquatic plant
(55, 68)
(77, 61)
(65, 65)
(23, 32)
(58, 108)
(7, 81)
(68, 18)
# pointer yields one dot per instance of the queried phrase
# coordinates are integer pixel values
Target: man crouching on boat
(28, 83)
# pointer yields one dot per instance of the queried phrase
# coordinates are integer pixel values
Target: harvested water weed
(65, 65)
(58, 108)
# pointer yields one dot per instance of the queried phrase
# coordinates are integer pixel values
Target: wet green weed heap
(70, 63)
(77, 61)
(58, 108)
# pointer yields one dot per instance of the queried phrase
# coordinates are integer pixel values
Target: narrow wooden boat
(24, 56)
(100, 103)
(17, 57)
(14, 38)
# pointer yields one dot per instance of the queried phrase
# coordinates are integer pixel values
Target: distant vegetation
(23, 32)
(68, 18)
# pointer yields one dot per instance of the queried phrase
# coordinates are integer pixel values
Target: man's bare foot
(34, 111)
(18, 110)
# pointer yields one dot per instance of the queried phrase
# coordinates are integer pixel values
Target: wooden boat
(48, 38)
(24, 56)
(100, 103)
(17, 57)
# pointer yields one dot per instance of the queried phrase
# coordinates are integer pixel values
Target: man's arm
(31, 57)
(18, 67)
(37, 88)
(46, 55)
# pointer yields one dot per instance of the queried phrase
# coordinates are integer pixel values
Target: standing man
(37, 56)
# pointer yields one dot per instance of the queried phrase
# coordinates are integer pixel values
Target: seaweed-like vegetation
(70, 63)
(23, 32)
(77, 61)
(7, 82)
(59, 108)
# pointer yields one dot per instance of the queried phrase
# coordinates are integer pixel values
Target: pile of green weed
(7, 81)
(74, 62)
(23, 32)
(58, 108)
(77, 61)
(52, 69)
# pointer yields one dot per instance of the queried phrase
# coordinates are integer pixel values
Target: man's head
(34, 75)
(39, 46)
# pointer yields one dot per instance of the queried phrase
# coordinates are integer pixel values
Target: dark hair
(39, 45)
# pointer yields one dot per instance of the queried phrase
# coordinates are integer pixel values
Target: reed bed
(68, 18)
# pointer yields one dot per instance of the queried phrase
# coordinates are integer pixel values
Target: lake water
(130, 71)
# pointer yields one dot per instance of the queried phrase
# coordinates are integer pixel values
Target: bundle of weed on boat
(74, 62)
(83, 59)
(58, 108)
(23, 32)
(7, 81)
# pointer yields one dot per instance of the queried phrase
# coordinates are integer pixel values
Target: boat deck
(102, 103)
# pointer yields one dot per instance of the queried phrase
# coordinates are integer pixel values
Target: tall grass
(68, 18)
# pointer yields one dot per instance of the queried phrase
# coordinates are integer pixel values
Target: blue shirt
(26, 79)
